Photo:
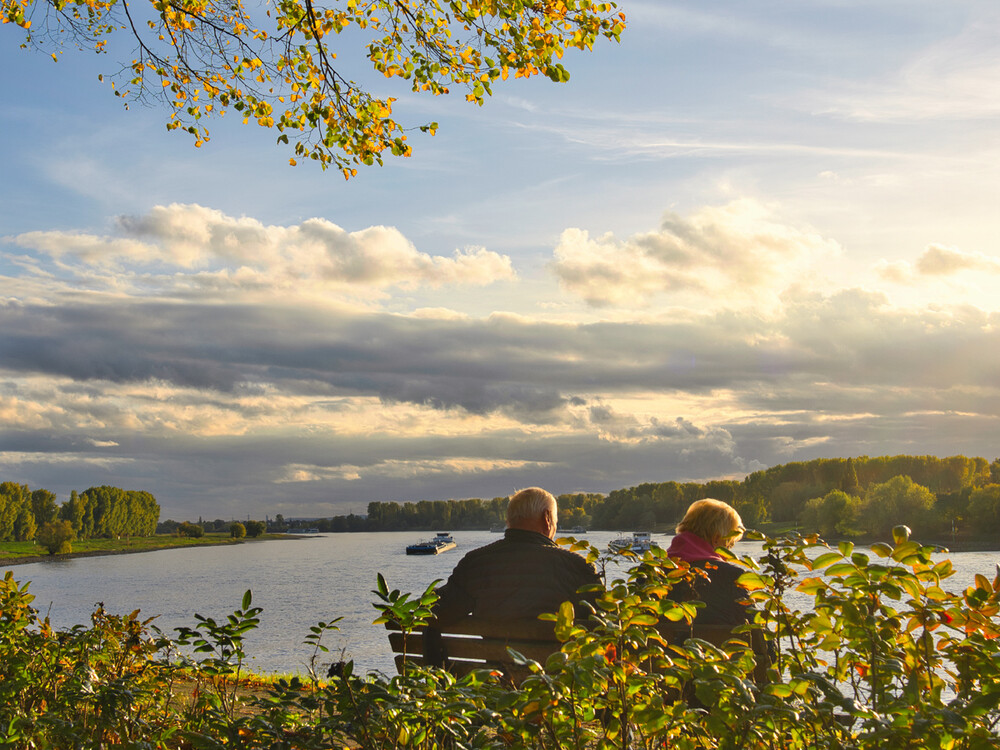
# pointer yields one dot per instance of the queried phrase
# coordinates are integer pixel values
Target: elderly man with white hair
(518, 577)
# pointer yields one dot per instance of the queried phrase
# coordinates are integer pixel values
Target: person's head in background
(716, 522)
(533, 509)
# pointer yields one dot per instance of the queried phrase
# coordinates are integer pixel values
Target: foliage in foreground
(277, 64)
(874, 652)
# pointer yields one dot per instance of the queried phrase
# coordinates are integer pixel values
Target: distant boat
(442, 542)
(575, 530)
(639, 541)
(498, 528)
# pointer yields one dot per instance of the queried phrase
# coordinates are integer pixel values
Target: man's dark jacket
(516, 578)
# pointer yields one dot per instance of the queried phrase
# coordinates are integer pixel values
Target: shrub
(255, 528)
(56, 537)
(237, 530)
(193, 530)
(883, 657)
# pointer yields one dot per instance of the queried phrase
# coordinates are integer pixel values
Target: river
(298, 583)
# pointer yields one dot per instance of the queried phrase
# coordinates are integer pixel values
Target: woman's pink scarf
(690, 547)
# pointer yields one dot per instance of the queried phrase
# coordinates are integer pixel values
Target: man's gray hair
(530, 504)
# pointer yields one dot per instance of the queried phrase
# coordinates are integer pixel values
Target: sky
(750, 233)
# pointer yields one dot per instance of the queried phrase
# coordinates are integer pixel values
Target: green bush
(193, 530)
(237, 530)
(56, 537)
(883, 657)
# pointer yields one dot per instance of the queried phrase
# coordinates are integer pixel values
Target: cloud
(953, 79)
(680, 432)
(194, 244)
(736, 252)
(9, 459)
(218, 399)
(402, 469)
(531, 372)
(937, 261)
(704, 397)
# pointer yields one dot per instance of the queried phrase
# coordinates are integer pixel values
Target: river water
(298, 583)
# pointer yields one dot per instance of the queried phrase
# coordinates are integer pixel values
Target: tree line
(838, 497)
(104, 511)
(235, 529)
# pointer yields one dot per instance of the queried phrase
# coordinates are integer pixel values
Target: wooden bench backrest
(479, 644)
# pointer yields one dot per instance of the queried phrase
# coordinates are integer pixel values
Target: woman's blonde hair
(714, 521)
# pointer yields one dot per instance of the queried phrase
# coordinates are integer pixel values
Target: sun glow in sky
(751, 233)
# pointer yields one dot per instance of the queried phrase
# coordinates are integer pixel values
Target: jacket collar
(690, 547)
(523, 536)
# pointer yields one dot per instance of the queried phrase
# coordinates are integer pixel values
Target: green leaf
(881, 549)
(247, 599)
(811, 586)
(645, 619)
(905, 550)
(842, 569)
(751, 581)
(936, 593)
(826, 559)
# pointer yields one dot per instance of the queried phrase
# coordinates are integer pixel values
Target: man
(518, 577)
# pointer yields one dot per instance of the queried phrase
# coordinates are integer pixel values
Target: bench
(481, 644)
(478, 644)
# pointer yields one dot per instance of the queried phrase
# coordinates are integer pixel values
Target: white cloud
(737, 252)
(12, 459)
(938, 260)
(224, 251)
(402, 469)
(896, 272)
(88, 248)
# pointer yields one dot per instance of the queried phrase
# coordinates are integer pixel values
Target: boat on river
(442, 542)
(638, 541)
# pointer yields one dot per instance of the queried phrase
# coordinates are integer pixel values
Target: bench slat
(489, 649)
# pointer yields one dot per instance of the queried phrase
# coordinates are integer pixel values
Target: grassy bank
(14, 553)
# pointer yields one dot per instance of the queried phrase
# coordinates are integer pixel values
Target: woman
(707, 526)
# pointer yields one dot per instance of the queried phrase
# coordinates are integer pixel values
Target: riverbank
(23, 553)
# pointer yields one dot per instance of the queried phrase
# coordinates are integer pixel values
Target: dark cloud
(851, 339)
(836, 375)
(234, 475)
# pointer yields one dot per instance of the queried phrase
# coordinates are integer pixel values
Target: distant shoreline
(8, 562)
(959, 545)
(11, 561)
